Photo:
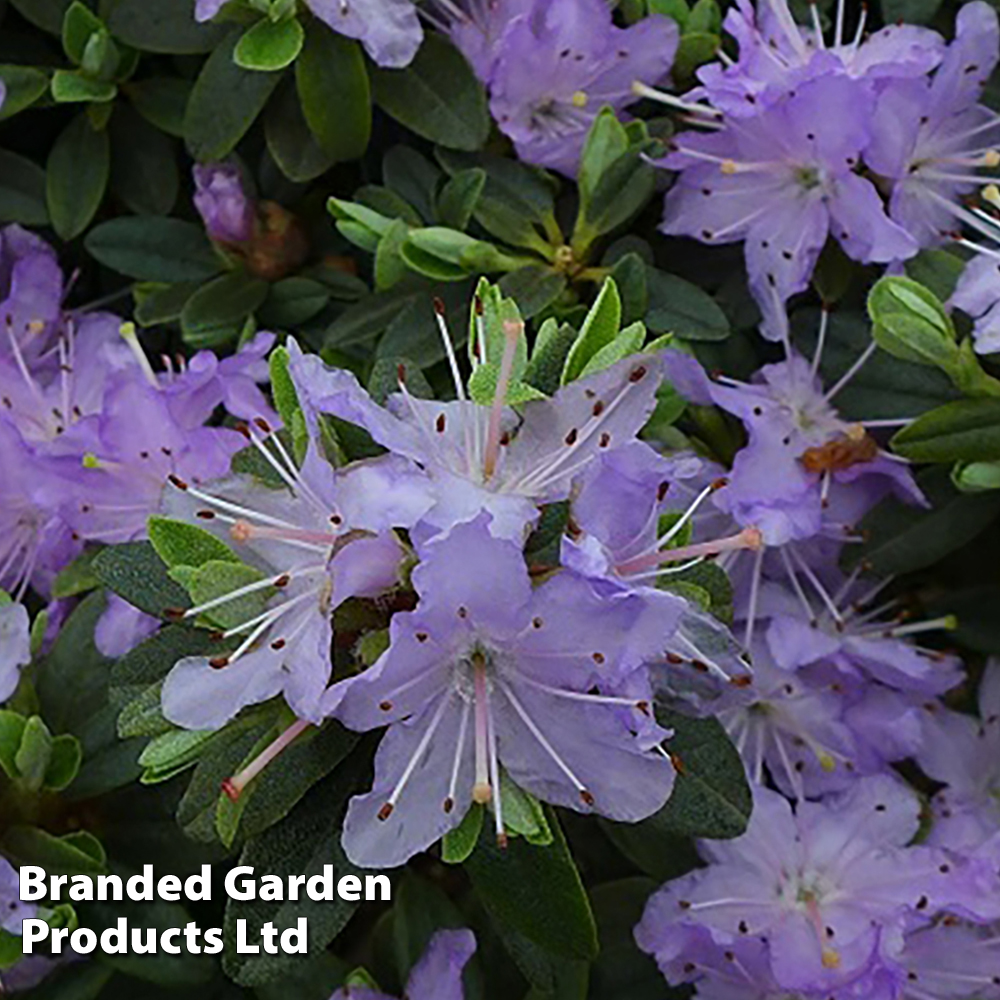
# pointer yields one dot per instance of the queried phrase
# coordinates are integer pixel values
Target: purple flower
(829, 889)
(783, 182)
(776, 55)
(122, 627)
(951, 961)
(15, 648)
(389, 29)
(963, 752)
(929, 136)
(437, 976)
(473, 458)
(978, 294)
(615, 539)
(31, 291)
(12, 911)
(489, 673)
(557, 64)
(222, 202)
(477, 28)
(308, 548)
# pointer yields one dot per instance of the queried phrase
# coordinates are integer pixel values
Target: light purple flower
(389, 29)
(437, 976)
(31, 292)
(951, 961)
(557, 64)
(830, 888)
(12, 911)
(324, 539)
(122, 627)
(776, 55)
(222, 202)
(15, 648)
(783, 182)
(489, 673)
(963, 752)
(473, 458)
(978, 294)
(929, 136)
(477, 28)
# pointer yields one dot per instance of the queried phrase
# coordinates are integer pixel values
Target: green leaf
(134, 571)
(967, 430)
(270, 45)
(25, 85)
(536, 891)
(77, 176)
(272, 795)
(533, 287)
(912, 11)
(911, 323)
(292, 302)
(11, 730)
(629, 341)
(901, 538)
(437, 96)
(390, 267)
(164, 250)
(64, 763)
(679, 307)
(144, 170)
(335, 94)
(523, 815)
(300, 844)
(173, 752)
(458, 844)
(289, 140)
(180, 544)
(224, 103)
(607, 141)
(458, 198)
(384, 379)
(69, 87)
(162, 101)
(622, 971)
(156, 304)
(599, 329)
(217, 312)
(468, 254)
(548, 359)
(22, 191)
(45, 14)
(937, 270)
(974, 477)
(216, 578)
(79, 25)
(72, 854)
(167, 26)
(34, 754)
(696, 49)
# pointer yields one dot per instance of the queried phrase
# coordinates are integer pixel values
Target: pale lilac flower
(222, 202)
(490, 674)
(929, 136)
(12, 911)
(616, 540)
(951, 961)
(15, 649)
(776, 55)
(389, 29)
(830, 888)
(978, 294)
(783, 182)
(477, 28)
(559, 63)
(31, 292)
(963, 752)
(324, 538)
(437, 976)
(487, 457)
(122, 627)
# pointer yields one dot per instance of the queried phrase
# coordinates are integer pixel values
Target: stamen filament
(233, 787)
(512, 332)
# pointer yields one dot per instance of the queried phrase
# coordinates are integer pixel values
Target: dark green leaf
(161, 26)
(45, 14)
(900, 538)
(622, 971)
(144, 170)
(77, 176)
(437, 96)
(533, 287)
(22, 191)
(24, 86)
(536, 891)
(967, 430)
(682, 308)
(164, 250)
(162, 101)
(333, 87)
(458, 197)
(913, 11)
(224, 103)
(217, 311)
(72, 854)
(134, 571)
(289, 139)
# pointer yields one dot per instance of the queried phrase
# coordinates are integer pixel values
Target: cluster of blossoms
(92, 431)
(871, 141)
